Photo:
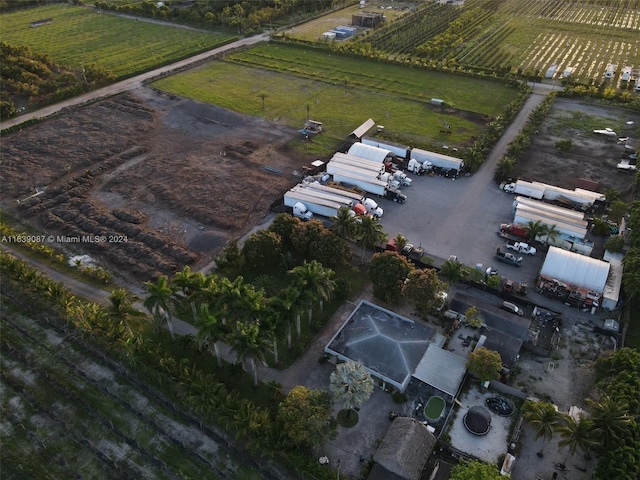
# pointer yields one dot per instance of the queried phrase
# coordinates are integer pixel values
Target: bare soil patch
(175, 177)
(592, 156)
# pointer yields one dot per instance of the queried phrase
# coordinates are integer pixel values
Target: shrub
(399, 397)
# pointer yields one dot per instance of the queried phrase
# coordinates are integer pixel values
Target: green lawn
(298, 81)
(80, 35)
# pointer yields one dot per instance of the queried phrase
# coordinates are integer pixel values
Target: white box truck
(437, 160)
(527, 189)
(372, 185)
(314, 205)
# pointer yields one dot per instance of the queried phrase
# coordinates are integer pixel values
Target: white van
(512, 307)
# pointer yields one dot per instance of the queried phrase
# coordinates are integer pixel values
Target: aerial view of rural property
(319, 239)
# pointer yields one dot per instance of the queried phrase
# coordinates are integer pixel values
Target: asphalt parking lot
(458, 217)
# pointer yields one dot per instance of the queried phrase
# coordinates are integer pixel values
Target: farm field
(79, 36)
(173, 178)
(69, 412)
(342, 92)
(515, 35)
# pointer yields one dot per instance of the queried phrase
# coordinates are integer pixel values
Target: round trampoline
(434, 408)
(499, 406)
(477, 420)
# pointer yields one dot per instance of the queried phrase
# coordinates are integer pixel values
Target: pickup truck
(515, 229)
(508, 258)
(520, 247)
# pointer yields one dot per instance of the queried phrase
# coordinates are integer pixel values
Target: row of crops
(524, 35)
(71, 414)
(77, 36)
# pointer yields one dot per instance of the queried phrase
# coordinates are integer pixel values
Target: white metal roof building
(575, 269)
(441, 369)
(369, 152)
(611, 294)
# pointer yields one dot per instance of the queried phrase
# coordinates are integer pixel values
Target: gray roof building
(441, 369)
(389, 345)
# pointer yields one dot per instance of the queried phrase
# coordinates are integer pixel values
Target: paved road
(133, 82)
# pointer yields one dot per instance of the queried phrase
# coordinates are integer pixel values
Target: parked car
(513, 308)
(508, 286)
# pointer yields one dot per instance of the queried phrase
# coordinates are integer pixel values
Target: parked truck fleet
(577, 198)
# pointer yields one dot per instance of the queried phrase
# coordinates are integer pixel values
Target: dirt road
(133, 82)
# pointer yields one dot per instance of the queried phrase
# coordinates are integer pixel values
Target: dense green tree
(421, 289)
(284, 225)
(631, 276)
(615, 244)
(351, 385)
(262, 249)
(387, 272)
(484, 364)
(305, 415)
(475, 470)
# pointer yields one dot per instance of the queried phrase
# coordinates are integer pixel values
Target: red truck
(515, 229)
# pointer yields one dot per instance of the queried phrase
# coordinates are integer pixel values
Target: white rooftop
(441, 369)
(575, 269)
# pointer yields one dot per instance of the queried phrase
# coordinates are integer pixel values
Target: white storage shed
(369, 152)
(575, 269)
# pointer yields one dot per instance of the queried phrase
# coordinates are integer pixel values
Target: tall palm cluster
(366, 231)
(237, 313)
(611, 430)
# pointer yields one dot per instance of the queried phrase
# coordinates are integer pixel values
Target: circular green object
(347, 418)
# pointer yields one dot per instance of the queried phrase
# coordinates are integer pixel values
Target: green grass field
(79, 36)
(294, 78)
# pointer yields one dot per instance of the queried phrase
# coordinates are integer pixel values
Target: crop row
(414, 29)
(96, 408)
(79, 36)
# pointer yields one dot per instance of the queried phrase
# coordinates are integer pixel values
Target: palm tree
(535, 229)
(551, 232)
(610, 418)
(314, 282)
(249, 343)
(401, 241)
(120, 308)
(286, 304)
(277, 323)
(543, 417)
(344, 223)
(351, 385)
(210, 331)
(576, 434)
(452, 271)
(370, 233)
(160, 293)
